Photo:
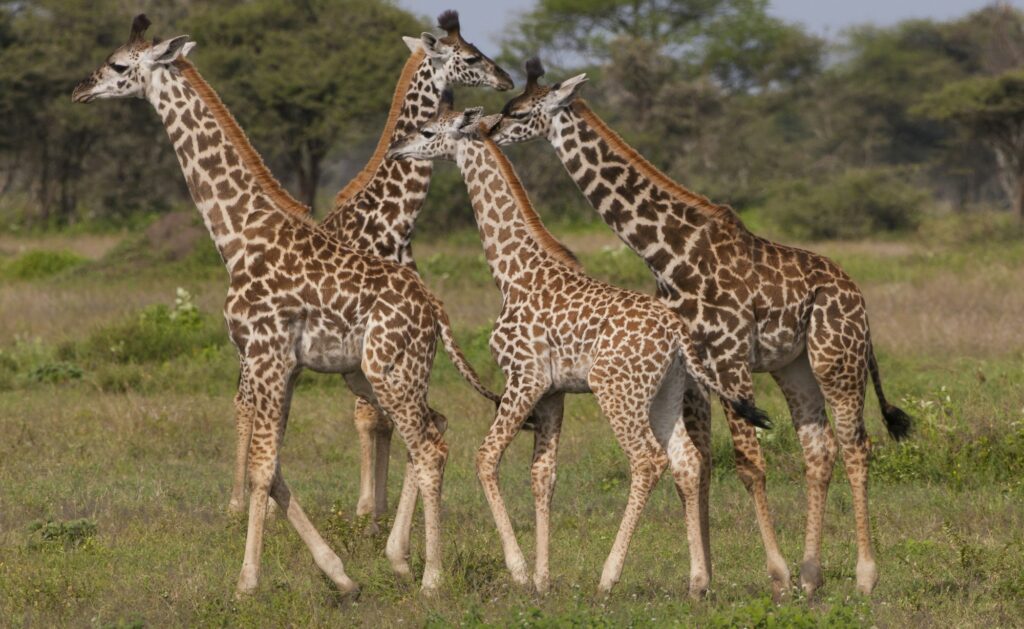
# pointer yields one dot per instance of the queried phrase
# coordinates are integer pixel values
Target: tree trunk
(1018, 199)
(308, 163)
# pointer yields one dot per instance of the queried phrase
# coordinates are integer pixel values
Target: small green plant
(55, 373)
(69, 534)
(159, 333)
(36, 265)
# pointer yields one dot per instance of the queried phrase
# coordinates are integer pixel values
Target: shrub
(159, 333)
(39, 264)
(55, 372)
(68, 534)
(857, 203)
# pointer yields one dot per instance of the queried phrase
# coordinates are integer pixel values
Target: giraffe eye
(119, 68)
(427, 134)
(519, 115)
(472, 60)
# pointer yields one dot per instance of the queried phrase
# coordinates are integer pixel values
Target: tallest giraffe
(753, 305)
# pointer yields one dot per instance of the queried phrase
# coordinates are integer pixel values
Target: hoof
(867, 578)
(236, 507)
(347, 595)
(698, 589)
(811, 577)
(781, 584)
(244, 590)
(542, 585)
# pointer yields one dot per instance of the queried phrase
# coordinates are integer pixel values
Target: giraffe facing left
(296, 298)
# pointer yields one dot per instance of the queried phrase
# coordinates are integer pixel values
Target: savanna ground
(117, 444)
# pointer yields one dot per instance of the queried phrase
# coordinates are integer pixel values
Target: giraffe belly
(570, 374)
(775, 351)
(330, 353)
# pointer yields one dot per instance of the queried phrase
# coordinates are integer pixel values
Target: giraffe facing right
(753, 305)
(560, 331)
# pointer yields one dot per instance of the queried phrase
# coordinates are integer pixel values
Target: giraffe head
(457, 61)
(529, 115)
(127, 71)
(439, 138)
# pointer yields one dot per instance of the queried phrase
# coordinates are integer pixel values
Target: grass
(118, 439)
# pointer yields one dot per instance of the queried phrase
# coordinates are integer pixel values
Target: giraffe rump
(234, 134)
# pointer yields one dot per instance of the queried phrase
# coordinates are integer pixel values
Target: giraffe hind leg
(807, 407)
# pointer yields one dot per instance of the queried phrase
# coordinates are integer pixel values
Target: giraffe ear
(414, 44)
(432, 46)
(487, 124)
(465, 124)
(563, 93)
(167, 51)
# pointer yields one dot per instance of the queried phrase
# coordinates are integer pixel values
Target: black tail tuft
(753, 415)
(897, 422)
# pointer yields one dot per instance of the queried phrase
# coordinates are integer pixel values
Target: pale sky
(482, 20)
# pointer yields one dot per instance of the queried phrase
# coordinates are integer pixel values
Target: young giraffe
(376, 213)
(560, 331)
(754, 304)
(297, 298)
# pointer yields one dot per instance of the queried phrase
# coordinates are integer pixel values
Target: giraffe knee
(486, 464)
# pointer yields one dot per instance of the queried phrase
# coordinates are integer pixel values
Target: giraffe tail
(745, 407)
(458, 358)
(897, 422)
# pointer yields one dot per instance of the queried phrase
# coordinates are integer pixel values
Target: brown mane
(540, 234)
(649, 170)
(234, 134)
(366, 174)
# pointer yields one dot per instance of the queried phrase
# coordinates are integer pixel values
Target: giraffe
(753, 304)
(297, 298)
(560, 331)
(377, 210)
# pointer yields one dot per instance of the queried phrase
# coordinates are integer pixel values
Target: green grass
(115, 469)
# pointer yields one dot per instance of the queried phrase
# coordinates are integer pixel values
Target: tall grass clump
(35, 265)
(159, 333)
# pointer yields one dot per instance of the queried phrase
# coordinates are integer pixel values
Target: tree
(993, 109)
(303, 77)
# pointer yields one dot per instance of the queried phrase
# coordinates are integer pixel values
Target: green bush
(68, 534)
(39, 264)
(857, 203)
(159, 333)
(55, 372)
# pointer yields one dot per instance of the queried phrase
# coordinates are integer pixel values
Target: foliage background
(922, 117)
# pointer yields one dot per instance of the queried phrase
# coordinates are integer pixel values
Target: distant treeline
(831, 138)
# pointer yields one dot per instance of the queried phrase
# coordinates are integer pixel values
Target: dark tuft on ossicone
(534, 69)
(139, 26)
(449, 21)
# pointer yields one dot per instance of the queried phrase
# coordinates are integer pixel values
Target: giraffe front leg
(521, 395)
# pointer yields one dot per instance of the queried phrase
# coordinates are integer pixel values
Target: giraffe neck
(377, 210)
(228, 181)
(651, 213)
(516, 244)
